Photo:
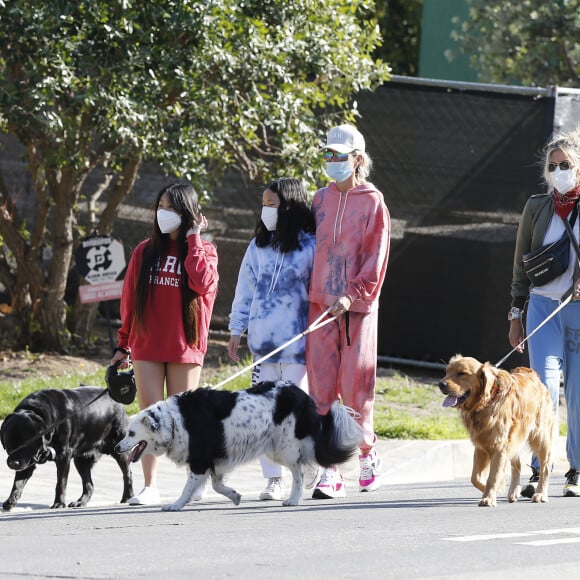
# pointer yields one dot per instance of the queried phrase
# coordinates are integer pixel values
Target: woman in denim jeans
(555, 348)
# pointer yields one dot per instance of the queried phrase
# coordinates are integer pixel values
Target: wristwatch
(515, 313)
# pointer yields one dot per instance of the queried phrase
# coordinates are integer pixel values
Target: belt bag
(550, 261)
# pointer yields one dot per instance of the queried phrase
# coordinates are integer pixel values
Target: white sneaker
(330, 486)
(370, 471)
(147, 496)
(310, 476)
(274, 489)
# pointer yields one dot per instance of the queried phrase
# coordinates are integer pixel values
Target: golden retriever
(502, 411)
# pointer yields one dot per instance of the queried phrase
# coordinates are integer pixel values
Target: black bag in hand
(550, 261)
(121, 385)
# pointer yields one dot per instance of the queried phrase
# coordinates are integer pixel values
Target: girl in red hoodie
(352, 248)
(166, 305)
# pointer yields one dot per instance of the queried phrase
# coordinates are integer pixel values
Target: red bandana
(563, 204)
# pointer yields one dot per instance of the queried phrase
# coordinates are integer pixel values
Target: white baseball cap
(344, 139)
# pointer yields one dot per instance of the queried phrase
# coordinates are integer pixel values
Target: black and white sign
(100, 259)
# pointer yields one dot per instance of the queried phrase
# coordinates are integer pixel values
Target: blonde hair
(568, 143)
(363, 171)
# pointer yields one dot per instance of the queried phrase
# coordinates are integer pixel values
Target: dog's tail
(339, 437)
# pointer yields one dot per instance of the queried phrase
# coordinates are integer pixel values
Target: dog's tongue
(450, 401)
(135, 453)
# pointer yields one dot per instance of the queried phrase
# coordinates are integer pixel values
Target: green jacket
(534, 222)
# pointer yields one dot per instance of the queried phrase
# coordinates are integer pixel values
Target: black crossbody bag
(550, 261)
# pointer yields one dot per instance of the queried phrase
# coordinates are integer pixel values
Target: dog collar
(494, 390)
(44, 454)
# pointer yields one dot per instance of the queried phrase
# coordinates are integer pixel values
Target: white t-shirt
(558, 286)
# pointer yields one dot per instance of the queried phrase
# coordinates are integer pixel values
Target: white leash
(550, 316)
(314, 326)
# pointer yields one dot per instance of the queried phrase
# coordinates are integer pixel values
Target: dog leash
(318, 323)
(118, 388)
(55, 425)
(549, 317)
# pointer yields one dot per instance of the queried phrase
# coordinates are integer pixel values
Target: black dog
(85, 434)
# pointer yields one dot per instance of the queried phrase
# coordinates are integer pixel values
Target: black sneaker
(571, 489)
(530, 489)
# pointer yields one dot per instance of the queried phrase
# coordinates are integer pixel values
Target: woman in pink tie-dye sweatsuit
(352, 248)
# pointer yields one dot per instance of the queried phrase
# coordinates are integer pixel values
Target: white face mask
(563, 181)
(270, 217)
(339, 170)
(168, 220)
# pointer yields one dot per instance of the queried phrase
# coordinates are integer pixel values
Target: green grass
(397, 424)
(226, 371)
(408, 409)
(405, 408)
(12, 392)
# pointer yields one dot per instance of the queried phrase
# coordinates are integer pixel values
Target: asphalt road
(429, 530)
(423, 523)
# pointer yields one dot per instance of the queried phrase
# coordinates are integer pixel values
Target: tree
(95, 88)
(529, 42)
(400, 24)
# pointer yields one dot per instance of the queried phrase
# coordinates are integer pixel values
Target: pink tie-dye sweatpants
(339, 370)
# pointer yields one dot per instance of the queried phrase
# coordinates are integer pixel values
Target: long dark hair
(183, 199)
(294, 216)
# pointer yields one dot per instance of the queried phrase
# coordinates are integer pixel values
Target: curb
(404, 461)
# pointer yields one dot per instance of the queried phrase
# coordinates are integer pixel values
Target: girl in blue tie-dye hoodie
(271, 299)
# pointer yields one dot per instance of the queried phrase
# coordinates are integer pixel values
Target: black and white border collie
(212, 431)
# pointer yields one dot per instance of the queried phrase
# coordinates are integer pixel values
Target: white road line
(550, 542)
(483, 538)
(486, 537)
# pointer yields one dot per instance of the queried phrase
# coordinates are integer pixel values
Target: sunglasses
(327, 155)
(563, 165)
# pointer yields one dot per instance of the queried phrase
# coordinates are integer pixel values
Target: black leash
(121, 388)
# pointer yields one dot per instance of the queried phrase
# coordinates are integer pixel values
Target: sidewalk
(404, 461)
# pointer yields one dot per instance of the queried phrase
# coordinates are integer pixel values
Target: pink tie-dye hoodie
(352, 246)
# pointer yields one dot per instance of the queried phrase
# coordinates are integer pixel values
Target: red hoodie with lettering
(164, 339)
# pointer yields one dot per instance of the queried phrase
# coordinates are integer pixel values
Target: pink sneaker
(370, 471)
(330, 486)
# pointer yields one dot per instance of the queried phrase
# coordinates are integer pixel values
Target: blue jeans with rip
(571, 325)
(546, 347)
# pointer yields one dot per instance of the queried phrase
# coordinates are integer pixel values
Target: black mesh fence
(456, 166)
